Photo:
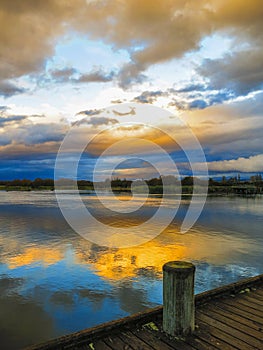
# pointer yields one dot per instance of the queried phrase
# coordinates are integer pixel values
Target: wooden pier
(229, 317)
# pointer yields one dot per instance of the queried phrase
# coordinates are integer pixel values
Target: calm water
(53, 282)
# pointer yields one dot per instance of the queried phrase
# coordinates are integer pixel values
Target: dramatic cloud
(63, 75)
(95, 76)
(97, 121)
(160, 30)
(198, 104)
(131, 74)
(8, 89)
(39, 46)
(149, 96)
(239, 72)
(18, 135)
(10, 119)
(228, 131)
(191, 88)
(90, 112)
(251, 164)
(40, 133)
(5, 140)
(3, 109)
(28, 33)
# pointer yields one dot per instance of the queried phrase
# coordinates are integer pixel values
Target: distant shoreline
(215, 191)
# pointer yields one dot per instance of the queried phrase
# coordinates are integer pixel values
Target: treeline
(155, 185)
(38, 183)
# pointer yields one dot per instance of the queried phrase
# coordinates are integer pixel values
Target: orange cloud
(164, 29)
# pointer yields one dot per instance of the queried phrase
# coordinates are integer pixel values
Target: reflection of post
(178, 298)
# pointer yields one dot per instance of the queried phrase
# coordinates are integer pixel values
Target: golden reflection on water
(199, 245)
(43, 255)
(195, 245)
(117, 264)
(124, 263)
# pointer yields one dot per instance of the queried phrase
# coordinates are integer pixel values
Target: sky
(96, 64)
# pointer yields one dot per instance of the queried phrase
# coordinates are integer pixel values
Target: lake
(53, 281)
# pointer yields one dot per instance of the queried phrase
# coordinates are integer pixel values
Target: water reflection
(53, 282)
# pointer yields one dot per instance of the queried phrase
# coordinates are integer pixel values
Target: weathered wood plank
(100, 345)
(241, 312)
(134, 341)
(238, 337)
(212, 337)
(252, 299)
(154, 342)
(200, 343)
(244, 307)
(115, 342)
(230, 314)
(253, 337)
(254, 308)
(228, 340)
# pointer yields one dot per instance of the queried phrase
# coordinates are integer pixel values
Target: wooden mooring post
(178, 298)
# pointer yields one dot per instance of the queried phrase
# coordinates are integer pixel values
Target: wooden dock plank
(152, 341)
(254, 308)
(136, 342)
(252, 337)
(114, 342)
(241, 312)
(259, 294)
(210, 337)
(251, 312)
(239, 338)
(250, 325)
(254, 300)
(100, 345)
(230, 342)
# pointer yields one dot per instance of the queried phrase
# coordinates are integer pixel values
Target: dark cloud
(90, 112)
(5, 140)
(181, 105)
(63, 75)
(131, 74)
(149, 96)
(8, 89)
(42, 133)
(219, 97)
(95, 76)
(10, 119)
(116, 101)
(198, 104)
(240, 72)
(3, 109)
(72, 75)
(96, 121)
(191, 88)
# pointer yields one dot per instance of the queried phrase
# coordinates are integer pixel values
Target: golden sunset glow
(115, 265)
(42, 255)
(199, 61)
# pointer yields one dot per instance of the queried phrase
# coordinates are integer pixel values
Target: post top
(179, 266)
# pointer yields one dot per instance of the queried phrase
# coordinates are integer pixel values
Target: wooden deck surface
(229, 317)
